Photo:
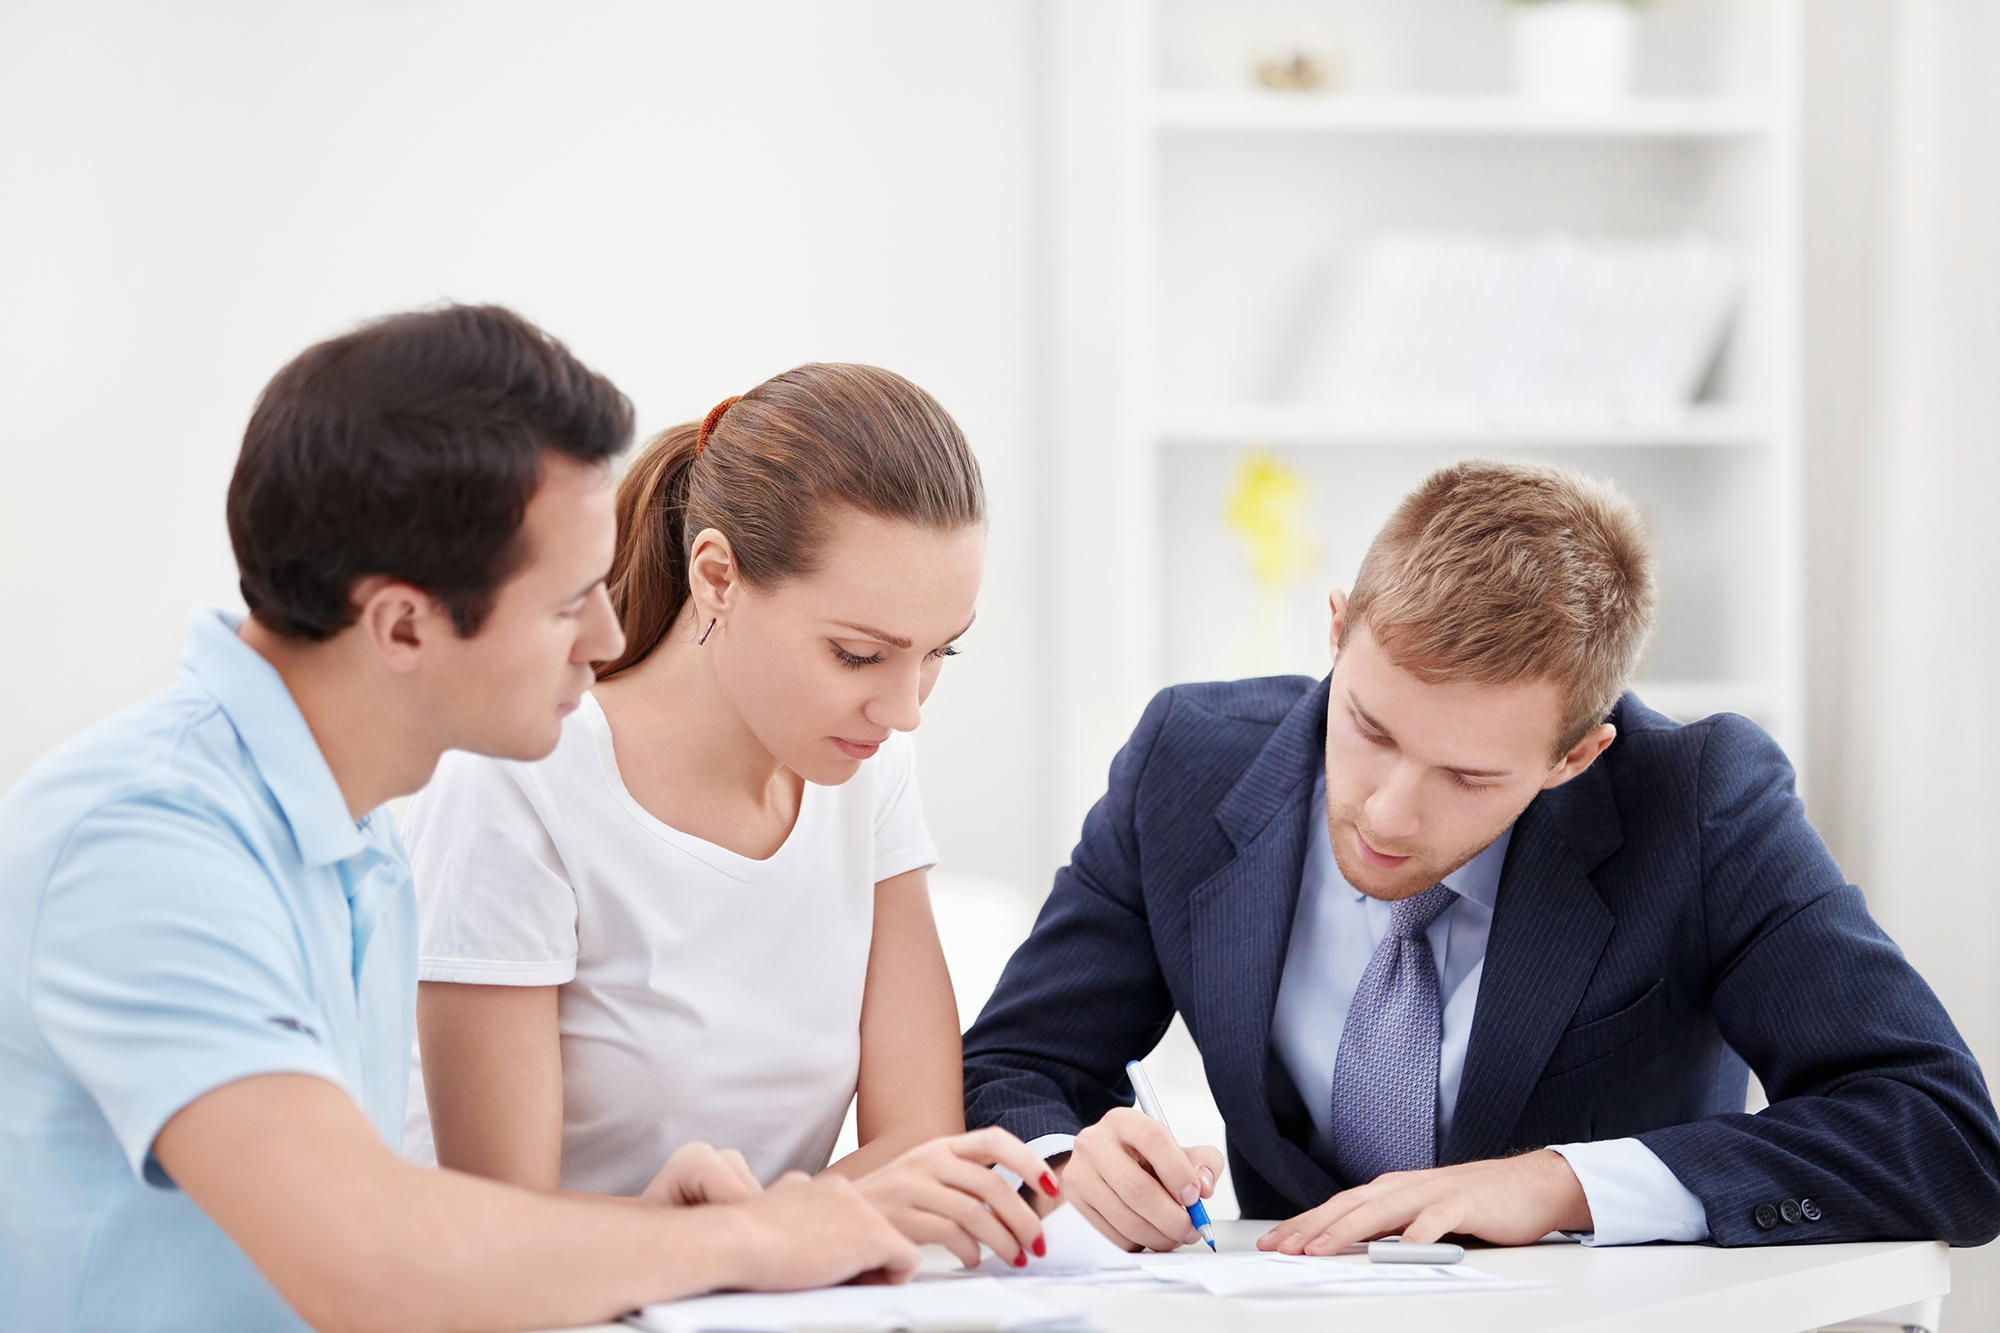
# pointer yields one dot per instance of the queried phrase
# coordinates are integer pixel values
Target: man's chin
(1389, 886)
(523, 746)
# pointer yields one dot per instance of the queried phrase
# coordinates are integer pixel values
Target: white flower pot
(1574, 52)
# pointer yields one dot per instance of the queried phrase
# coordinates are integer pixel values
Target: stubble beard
(1405, 881)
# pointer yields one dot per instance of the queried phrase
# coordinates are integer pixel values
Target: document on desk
(1078, 1252)
(976, 1303)
(1277, 1274)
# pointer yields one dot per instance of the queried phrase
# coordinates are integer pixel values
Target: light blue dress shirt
(185, 901)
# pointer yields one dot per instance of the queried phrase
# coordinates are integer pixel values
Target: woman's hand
(943, 1193)
(698, 1174)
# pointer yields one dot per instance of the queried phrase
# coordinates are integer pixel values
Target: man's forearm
(477, 1255)
(355, 1238)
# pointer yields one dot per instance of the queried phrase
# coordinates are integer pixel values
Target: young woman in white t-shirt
(704, 917)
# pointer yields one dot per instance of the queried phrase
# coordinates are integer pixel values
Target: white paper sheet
(1078, 1252)
(1253, 1274)
(954, 1303)
(1075, 1247)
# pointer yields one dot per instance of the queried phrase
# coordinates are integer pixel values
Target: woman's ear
(713, 580)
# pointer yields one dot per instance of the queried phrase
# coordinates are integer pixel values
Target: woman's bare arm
(910, 1086)
(493, 1078)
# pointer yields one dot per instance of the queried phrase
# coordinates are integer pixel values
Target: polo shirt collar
(267, 719)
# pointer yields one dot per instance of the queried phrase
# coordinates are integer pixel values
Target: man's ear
(1582, 755)
(397, 620)
(713, 580)
(1337, 601)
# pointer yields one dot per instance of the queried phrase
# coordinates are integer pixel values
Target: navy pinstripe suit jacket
(1661, 919)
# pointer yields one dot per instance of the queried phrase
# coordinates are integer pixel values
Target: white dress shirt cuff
(1045, 1147)
(1633, 1197)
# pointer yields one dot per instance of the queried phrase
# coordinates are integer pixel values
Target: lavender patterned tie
(1385, 1077)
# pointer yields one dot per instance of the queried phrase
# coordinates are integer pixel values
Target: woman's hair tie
(708, 423)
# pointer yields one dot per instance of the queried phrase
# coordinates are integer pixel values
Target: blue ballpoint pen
(1149, 1103)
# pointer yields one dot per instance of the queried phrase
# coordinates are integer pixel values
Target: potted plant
(1574, 52)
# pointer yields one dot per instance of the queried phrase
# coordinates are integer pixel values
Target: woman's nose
(900, 708)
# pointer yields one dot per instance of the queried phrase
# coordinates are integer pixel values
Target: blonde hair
(1492, 573)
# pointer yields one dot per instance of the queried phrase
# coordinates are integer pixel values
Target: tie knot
(1413, 915)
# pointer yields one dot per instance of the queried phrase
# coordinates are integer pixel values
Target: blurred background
(1209, 283)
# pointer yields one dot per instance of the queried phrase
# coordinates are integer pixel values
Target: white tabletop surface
(1634, 1289)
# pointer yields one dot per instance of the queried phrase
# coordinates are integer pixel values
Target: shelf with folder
(1305, 424)
(1470, 115)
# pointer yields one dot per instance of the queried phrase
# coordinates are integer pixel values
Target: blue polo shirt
(185, 901)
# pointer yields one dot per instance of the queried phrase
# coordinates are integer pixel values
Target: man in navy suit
(1474, 942)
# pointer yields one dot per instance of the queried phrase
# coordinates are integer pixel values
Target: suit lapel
(1240, 924)
(1549, 929)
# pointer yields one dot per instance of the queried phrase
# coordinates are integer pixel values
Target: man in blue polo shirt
(207, 938)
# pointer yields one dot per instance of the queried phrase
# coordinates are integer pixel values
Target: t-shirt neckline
(733, 864)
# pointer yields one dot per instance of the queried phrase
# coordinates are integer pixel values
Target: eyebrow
(894, 640)
(590, 587)
(1375, 726)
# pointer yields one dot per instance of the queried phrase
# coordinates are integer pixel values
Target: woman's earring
(704, 634)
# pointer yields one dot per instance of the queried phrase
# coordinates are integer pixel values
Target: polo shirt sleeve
(902, 839)
(165, 964)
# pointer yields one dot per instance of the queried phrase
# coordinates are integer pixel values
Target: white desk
(1639, 1289)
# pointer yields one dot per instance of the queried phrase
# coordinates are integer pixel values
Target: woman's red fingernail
(1049, 1186)
(1021, 1259)
(1041, 1248)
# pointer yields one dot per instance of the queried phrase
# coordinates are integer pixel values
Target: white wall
(693, 196)
(1903, 286)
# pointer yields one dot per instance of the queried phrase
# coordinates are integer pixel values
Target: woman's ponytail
(648, 582)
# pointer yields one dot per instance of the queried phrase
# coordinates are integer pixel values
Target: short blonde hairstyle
(1492, 573)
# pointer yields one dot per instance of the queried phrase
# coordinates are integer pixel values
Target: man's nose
(1392, 810)
(602, 638)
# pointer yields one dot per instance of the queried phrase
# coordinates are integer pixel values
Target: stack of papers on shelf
(1559, 325)
(948, 1303)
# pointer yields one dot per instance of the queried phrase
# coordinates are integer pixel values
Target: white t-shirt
(705, 996)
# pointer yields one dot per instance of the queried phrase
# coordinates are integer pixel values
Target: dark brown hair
(1493, 573)
(409, 447)
(770, 467)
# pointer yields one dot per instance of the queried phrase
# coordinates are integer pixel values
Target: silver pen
(1149, 1104)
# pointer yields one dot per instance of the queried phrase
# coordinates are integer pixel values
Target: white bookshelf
(1473, 115)
(1230, 199)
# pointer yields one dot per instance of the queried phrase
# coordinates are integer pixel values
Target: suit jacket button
(1789, 1210)
(1809, 1210)
(1765, 1216)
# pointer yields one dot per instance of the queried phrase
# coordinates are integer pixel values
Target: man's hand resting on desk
(1134, 1183)
(1509, 1200)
